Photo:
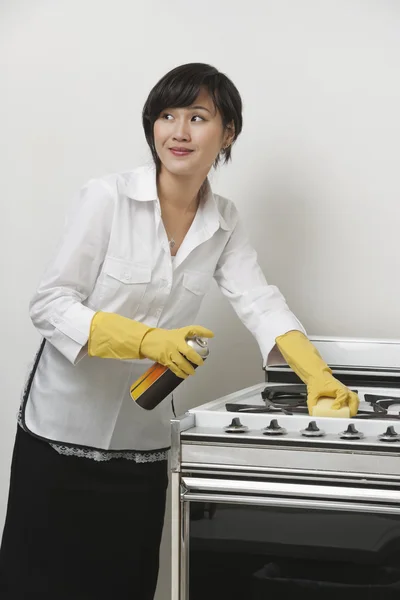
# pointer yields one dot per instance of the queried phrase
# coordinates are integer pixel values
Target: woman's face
(189, 139)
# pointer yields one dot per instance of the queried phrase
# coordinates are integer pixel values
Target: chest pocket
(123, 284)
(195, 285)
(117, 271)
(196, 282)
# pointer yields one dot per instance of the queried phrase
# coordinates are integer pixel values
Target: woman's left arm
(263, 310)
(260, 306)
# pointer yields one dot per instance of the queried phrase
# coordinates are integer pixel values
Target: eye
(197, 117)
(166, 116)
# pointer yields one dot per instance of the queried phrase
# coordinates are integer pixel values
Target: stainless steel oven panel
(302, 475)
(242, 456)
(278, 490)
(178, 425)
(291, 503)
(176, 539)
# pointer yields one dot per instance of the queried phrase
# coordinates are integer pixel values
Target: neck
(179, 192)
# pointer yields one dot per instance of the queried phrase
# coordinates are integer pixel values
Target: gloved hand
(115, 336)
(303, 357)
(169, 348)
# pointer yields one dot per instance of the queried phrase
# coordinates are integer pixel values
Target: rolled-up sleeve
(56, 309)
(261, 307)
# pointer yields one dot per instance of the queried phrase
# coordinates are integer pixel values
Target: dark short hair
(180, 87)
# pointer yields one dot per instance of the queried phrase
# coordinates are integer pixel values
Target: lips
(178, 151)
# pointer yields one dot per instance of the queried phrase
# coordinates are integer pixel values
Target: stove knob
(236, 426)
(312, 426)
(312, 430)
(351, 433)
(274, 429)
(390, 435)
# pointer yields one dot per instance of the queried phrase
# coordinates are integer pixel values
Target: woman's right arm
(76, 330)
(56, 308)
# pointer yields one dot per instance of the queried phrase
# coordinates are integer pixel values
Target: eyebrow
(197, 107)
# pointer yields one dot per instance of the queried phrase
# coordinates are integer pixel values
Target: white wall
(315, 174)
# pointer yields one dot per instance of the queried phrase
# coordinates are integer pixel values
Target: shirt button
(158, 312)
(126, 276)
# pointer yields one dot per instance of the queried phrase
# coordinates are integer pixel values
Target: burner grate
(292, 400)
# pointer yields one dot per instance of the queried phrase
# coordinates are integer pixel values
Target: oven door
(245, 539)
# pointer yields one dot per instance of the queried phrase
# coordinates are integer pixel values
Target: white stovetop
(211, 419)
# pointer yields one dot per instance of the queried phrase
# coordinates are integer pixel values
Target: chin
(177, 168)
(189, 168)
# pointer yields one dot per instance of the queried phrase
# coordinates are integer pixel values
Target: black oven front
(248, 536)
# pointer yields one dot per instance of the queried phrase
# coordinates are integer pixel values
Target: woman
(89, 471)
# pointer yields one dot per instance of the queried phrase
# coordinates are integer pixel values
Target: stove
(257, 457)
(274, 412)
(269, 414)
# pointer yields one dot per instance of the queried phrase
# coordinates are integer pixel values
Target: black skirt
(77, 529)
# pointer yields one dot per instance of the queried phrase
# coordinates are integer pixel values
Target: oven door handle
(295, 503)
(307, 492)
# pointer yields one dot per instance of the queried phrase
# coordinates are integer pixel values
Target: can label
(144, 382)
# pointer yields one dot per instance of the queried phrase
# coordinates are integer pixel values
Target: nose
(181, 131)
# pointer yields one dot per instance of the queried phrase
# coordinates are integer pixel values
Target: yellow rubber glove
(169, 348)
(115, 336)
(303, 357)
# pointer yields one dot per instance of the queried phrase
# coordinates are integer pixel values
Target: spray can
(159, 381)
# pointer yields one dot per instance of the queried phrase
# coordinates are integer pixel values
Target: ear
(229, 135)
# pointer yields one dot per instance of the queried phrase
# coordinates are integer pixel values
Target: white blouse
(114, 256)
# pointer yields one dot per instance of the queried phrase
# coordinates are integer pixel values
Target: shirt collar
(142, 186)
(210, 210)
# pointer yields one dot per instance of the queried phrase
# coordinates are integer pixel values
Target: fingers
(341, 399)
(190, 354)
(341, 395)
(186, 350)
(354, 403)
(177, 371)
(198, 331)
(337, 395)
(349, 399)
(183, 365)
(311, 402)
(313, 397)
